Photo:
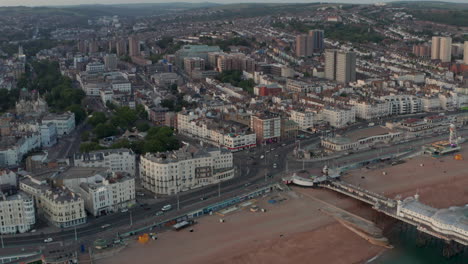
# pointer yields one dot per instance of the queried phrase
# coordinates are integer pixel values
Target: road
(251, 171)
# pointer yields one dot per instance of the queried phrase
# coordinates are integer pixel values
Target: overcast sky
(77, 2)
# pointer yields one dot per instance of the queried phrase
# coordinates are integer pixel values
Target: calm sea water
(407, 251)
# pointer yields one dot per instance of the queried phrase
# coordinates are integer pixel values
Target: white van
(167, 207)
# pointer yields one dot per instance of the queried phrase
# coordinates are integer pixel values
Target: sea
(407, 250)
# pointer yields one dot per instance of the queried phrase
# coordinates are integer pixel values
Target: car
(167, 207)
(261, 157)
(283, 144)
(105, 226)
(124, 210)
(247, 184)
(254, 208)
(143, 204)
(146, 208)
(48, 240)
(275, 165)
(272, 149)
(140, 194)
(159, 213)
(33, 231)
(276, 155)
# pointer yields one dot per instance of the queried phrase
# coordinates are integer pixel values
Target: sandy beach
(296, 230)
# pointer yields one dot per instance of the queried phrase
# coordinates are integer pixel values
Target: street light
(131, 219)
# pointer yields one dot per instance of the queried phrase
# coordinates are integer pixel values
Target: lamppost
(131, 219)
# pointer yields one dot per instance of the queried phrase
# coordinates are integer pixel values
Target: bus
(183, 225)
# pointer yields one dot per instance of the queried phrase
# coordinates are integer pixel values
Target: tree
(105, 130)
(85, 136)
(97, 118)
(90, 146)
(79, 112)
(124, 117)
(141, 112)
(142, 126)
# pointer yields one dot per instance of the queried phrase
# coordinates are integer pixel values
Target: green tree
(105, 130)
(141, 112)
(142, 126)
(85, 136)
(97, 118)
(79, 112)
(90, 146)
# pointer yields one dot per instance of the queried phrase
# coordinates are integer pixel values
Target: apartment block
(187, 168)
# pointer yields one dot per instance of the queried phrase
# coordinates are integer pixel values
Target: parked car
(48, 240)
(105, 226)
(167, 207)
(159, 213)
(254, 208)
(124, 210)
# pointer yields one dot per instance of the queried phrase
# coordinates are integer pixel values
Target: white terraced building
(16, 213)
(114, 159)
(185, 169)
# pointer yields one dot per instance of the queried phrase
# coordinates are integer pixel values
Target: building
(102, 190)
(13, 149)
(121, 47)
(166, 78)
(465, 53)
(297, 86)
(289, 129)
(361, 139)
(48, 134)
(304, 45)
(441, 49)
(116, 160)
(133, 46)
(187, 168)
(109, 194)
(229, 134)
(317, 40)
(65, 123)
(340, 66)
(30, 103)
(110, 62)
(8, 178)
(445, 49)
(450, 222)
(403, 104)
(305, 119)
(194, 63)
(369, 109)
(266, 126)
(339, 117)
(63, 208)
(95, 67)
(59, 205)
(422, 51)
(200, 51)
(268, 90)
(17, 213)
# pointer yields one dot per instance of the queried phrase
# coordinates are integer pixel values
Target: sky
(78, 2)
